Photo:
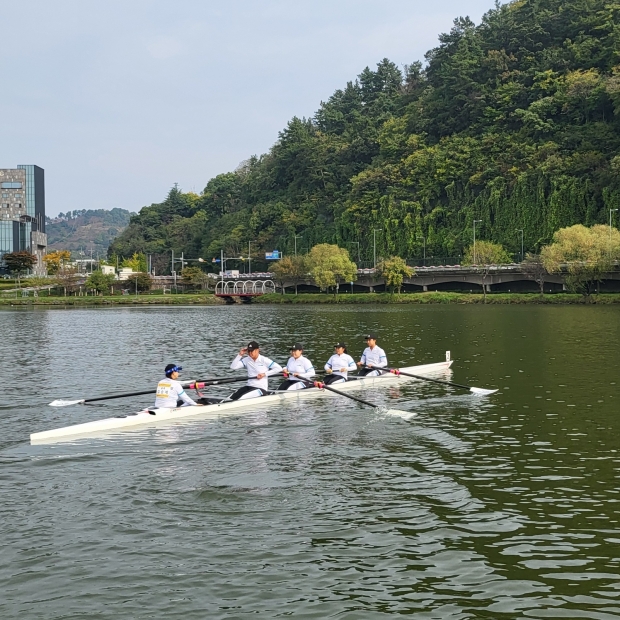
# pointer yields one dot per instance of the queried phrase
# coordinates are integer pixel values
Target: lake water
(503, 507)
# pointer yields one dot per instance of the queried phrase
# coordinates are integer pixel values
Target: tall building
(22, 212)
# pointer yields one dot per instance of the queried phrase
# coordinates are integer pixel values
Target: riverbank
(114, 300)
(436, 297)
(318, 298)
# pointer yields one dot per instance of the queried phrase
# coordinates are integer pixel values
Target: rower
(258, 367)
(338, 365)
(373, 358)
(297, 369)
(170, 392)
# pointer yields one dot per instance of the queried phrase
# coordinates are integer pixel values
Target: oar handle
(396, 371)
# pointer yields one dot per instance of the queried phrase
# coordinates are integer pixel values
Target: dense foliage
(515, 122)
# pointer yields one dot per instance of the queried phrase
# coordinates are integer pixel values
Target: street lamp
(520, 230)
(297, 237)
(374, 245)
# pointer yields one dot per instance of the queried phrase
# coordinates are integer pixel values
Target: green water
(503, 507)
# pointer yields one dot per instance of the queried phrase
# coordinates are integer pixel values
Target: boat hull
(153, 415)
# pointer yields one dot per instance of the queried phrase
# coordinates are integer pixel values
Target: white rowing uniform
(303, 367)
(375, 357)
(336, 362)
(261, 366)
(169, 392)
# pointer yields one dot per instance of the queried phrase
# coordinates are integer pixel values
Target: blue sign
(275, 255)
(216, 260)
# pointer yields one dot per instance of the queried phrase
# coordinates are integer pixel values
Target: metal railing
(246, 287)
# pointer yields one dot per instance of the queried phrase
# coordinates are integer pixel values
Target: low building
(22, 212)
(124, 273)
(107, 270)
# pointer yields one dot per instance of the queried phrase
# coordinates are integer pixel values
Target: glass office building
(22, 212)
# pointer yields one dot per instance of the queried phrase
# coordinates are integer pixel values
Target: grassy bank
(113, 300)
(315, 298)
(438, 298)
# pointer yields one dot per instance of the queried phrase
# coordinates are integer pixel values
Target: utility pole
(520, 230)
(297, 237)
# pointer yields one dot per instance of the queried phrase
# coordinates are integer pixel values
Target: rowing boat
(153, 415)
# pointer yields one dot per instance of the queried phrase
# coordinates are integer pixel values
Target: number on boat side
(447, 356)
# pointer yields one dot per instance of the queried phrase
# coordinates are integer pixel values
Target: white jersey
(261, 366)
(302, 366)
(169, 392)
(336, 362)
(375, 357)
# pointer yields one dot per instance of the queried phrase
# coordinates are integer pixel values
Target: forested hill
(86, 229)
(514, 122)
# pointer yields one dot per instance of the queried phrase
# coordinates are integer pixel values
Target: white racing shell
(153, 415)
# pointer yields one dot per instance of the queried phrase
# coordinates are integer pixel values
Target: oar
(384, 410)
(191, 385)
(474, 390)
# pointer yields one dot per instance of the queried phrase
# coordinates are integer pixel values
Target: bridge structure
(244, 290)
(494, 278)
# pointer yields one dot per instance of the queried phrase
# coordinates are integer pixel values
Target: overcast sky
(119, 99)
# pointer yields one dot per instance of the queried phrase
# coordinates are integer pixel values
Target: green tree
(194, 276)
(485, 257)
(141, 281)
(330, 265)
(19, 262)
(137, 262)
(582, 255)
(534, 268)
(394, 271)
(99, 282)
(290, 268)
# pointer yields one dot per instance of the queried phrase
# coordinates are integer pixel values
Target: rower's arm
(237, 363)
(273, 369)
(308, 372)
(186, 399)
(382, 363)
(351, 365)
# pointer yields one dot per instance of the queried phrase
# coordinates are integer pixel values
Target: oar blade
(481, 391)
(399, 413)
(65, 403)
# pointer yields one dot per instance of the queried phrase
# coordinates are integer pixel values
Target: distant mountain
(83, 230)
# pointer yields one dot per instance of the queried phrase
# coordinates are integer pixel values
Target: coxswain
(170, 392)
(258, 367)
(338, 365)
(298, 370)
(373, 358)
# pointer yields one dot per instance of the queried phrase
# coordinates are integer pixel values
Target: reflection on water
(502, 507)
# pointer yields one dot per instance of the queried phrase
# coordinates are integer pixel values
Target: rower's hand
(368, 365)
(343, 370)
(360, 364)
(243, 351)
(329, 371)
(295, 374)
(261, 375)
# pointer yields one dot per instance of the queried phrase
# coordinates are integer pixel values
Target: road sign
(275, 255)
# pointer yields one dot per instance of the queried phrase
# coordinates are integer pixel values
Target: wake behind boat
(154, 415)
